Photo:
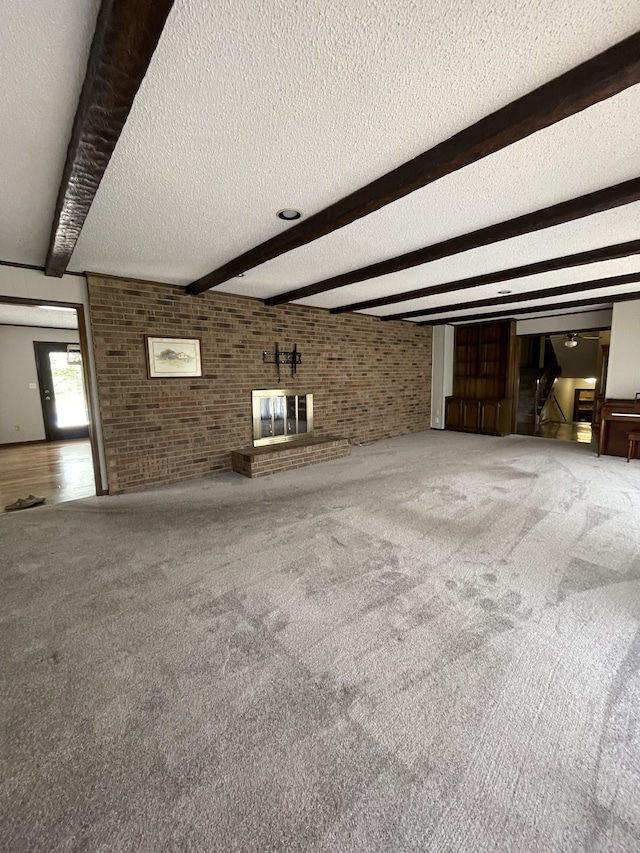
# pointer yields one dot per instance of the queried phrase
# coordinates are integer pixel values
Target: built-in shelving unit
(484, 380)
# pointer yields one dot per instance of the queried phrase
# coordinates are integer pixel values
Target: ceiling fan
(571, 338)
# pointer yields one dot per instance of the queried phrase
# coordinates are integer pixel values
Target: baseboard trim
(22, 443)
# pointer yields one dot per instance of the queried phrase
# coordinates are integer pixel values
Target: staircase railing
(544, 385)
(555, 400)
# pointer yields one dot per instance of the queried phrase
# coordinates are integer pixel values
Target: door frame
(86, 375)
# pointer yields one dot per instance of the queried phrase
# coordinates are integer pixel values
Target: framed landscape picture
(169, 357)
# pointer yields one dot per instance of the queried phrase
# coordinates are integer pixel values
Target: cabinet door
(495, 417)
(453, 413)
(490, 416)
(471, 415)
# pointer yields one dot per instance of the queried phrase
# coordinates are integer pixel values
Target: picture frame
(171, 358)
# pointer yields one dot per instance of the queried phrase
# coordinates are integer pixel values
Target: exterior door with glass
(62, 391)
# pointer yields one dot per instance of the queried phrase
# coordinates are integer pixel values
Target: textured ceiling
(251, 107)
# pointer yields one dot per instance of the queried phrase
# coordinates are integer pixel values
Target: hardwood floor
(57, 470)
(576, 431)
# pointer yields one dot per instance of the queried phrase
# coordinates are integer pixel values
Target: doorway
(48, 446)
(62, 391)
(562, 381)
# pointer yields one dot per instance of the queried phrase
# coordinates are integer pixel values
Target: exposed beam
(605, 301)
(595, 80)
(564, 290)
(605, 253)
(126, 35)
(557, 214)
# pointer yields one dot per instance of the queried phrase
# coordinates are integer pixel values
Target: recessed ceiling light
(504, 291)
(55, 308)
(288, 214)
(240, 275)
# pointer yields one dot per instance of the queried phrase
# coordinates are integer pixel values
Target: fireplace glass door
(281, 415)
(278, 416)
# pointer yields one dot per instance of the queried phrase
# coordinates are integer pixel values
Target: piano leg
(601, 437)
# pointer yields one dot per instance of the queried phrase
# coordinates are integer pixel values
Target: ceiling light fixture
(288, 214)
(571, 340)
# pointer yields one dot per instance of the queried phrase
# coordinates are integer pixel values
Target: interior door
(62, 391)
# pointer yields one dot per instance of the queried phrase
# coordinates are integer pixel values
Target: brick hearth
(271, 458)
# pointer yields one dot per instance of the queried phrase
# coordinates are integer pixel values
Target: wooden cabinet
(471, 415)
(496, 417)
(485, 379)
(492, 417)
(453, 413)
(462, 414)
(583, 404)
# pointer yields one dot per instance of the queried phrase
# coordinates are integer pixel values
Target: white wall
(564, 391)
(21, 406)
(32, 284)
(565, 323)
(441, 372)
(623, 377)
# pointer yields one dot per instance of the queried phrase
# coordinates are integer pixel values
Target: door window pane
(68, 391)
(302, 414)
(265, 418)
(278, 415)
(291, 415)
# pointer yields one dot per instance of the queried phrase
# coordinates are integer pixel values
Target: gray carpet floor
(432, 645)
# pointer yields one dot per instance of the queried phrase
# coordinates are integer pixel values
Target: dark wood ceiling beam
(564, 290)
(595, 80)
(557, 214)
(606, 301)
(125, 38)
(605, 253)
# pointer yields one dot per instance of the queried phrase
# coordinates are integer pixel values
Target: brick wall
(369, 379)
(272, 458)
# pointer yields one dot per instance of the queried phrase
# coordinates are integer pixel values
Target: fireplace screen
(281, 415)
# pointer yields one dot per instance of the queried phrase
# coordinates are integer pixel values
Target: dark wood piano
(617, 419)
